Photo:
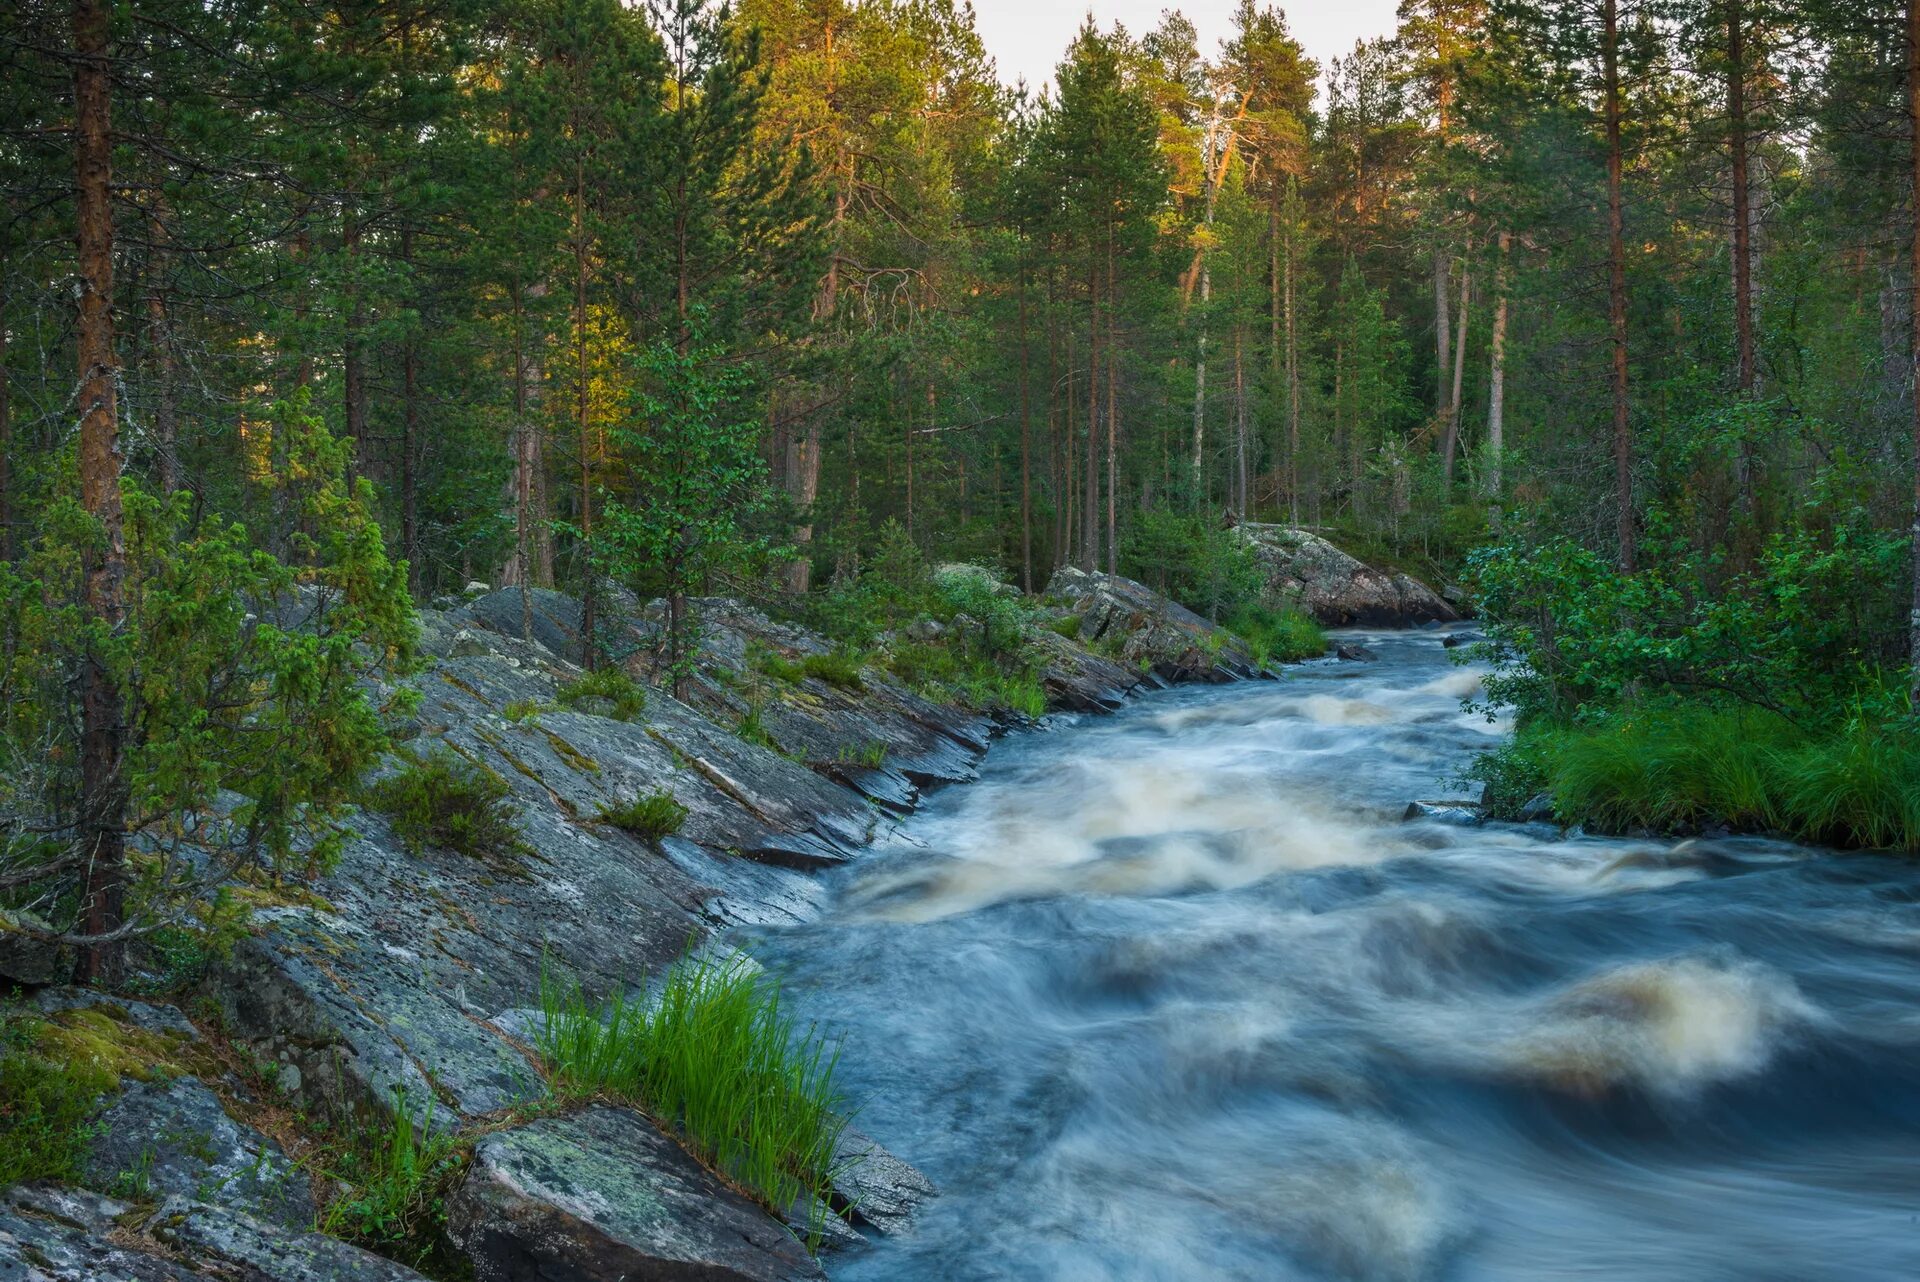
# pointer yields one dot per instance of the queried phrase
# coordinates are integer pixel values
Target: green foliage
(606, 691)
(838, 667)
(46, 1107)
(648, 817)
(255, 685)
(1193, 559)
(871, 755)
(1283, 635)
(448, 802)
(1682, 764)
(1067, 626)
(753, 728)
(396, 1185)
(518, 710)
(775, 665)
(719, 1062)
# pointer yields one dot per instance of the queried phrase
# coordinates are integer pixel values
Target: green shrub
(1276, 635)
(607, 691)
(753, 729)
(523, 710)
(651, 817)
(1194, 560)
(46, 1108)
(871, 755)
(1067, 626)
(838, 667)
(776, 665)
(396, 1186)
(1681, 764)
(717, 1061)
(448, 802)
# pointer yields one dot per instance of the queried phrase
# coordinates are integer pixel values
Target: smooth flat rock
(603, 1196)
(879, 1189)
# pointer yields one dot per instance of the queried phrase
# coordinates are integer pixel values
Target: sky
(1027, 37)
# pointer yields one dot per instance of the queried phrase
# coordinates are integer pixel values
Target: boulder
(27, 960)
(601, 1196)
(1143, 630)
(1337, 589)
(1353, 652)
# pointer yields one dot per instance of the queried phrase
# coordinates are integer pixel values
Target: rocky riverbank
(403, 980)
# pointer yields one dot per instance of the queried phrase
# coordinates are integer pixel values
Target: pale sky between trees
(1028, 37)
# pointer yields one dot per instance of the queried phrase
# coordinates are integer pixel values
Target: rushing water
(1176, 994)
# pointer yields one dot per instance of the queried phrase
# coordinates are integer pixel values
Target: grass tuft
(607, 692)
(719, 1062)
(448, 802)
(396, 1186)
(1273, 635)
(839, 668)
(651, 817)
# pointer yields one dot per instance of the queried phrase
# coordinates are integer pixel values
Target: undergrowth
(446, 801)
(1683, 764)
(718, 1061)
(607, 692)
(1276, 634)
(395, 1187)
(649, 817)
(47, 1105)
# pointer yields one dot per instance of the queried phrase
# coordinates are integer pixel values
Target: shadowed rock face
(1337, 589)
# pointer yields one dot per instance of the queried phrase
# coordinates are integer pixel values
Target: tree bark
(1450, 445)
(1090, 490)
(1026, 444)
(588, 651)
(1293, 376)
(103, 795)
(353, 371)
(1113, 410)
(1497, 371)
(1442, 327)
(1617, 289)
(1913, 123)
(1742, 195)
(6, 438)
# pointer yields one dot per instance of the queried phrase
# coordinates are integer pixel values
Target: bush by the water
(1688, 694)
(1276, 634)
(717, 1060)
(448, 802)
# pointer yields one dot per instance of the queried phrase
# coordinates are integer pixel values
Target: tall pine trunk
(1442, 327)
(588, 651)
(1113, 411)
(103, 796)
(1913, 123)
(1026, 441)
(1617, 289)
(1090, 490)
(1497, 371)
(1450, 446)
(1742, 230)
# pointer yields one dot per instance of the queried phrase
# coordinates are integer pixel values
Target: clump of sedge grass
(447, 801)
(1282, 635)
(607, 692)
(396, 1181)
(649, 817)
(717, 1061)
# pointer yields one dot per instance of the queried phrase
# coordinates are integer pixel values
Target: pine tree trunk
(1090, 489)
(1026, 444)
(1442, 327)
(353, 370)
(1742, 232)
(1913, 123)
(1617, 290)
(1497, 372)
(166, 417)
(589, 657)
(6, 435)
(103, 796)
(1450, 446)
(1113, 411)
(1240, 419)
(1293, 379)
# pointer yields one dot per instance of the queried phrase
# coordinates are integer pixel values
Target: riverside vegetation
(311, 316)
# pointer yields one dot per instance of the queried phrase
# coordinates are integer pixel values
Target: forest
(1604, 307)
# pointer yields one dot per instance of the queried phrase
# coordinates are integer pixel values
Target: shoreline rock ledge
(1339, 590)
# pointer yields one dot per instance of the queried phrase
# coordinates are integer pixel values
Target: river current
(1177, 994)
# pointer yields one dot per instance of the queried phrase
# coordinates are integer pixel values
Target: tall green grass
(1854, 783)
(718, 1061)
(395, 1183)
(1276, 635)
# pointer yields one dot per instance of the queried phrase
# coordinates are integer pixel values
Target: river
(1176, 994)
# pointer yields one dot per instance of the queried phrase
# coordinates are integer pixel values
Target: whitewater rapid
(1178, 994)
